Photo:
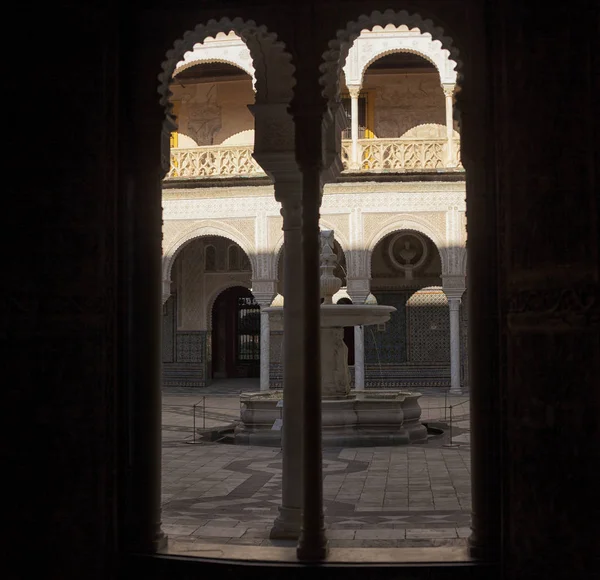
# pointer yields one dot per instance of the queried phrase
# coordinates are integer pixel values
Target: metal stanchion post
(194, 414)
(451, 444)
(451, 434)
(204, 413)
(445, 405)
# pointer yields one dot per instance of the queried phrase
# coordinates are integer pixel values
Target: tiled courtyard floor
(215, 493)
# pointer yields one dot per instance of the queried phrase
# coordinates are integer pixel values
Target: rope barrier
(218, 413)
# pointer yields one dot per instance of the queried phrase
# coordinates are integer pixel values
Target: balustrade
(401, 154)
(375, 155)
(217, 161)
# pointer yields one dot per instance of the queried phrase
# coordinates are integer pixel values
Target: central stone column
(274, 149)
(287, 524)
(312, 545)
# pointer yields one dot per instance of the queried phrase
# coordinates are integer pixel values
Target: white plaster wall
(211, 113)
(405, 101)
(190, 290)
(433, 208)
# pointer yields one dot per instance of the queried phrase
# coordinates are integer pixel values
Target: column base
(155, 544)
(455, 392)
(161, 543)
(287, 524)
(313, 549)
(483, 552)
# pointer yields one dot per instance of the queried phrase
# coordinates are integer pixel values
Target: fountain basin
(349, 418)
(362, 419)
(340, 315)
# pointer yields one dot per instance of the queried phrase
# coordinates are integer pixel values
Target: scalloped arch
(428, 289)
(244, 66)
(266, 51)
(409, 222)
(273, 68)
(335, 57)
(216, 229)
(394, 51)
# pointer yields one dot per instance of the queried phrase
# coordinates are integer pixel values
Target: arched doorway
(235, 334)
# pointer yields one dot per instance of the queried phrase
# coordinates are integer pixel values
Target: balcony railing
(381, 155)
(214, 161)
(375, 156)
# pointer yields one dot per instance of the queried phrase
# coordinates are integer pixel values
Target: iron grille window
(248, 330)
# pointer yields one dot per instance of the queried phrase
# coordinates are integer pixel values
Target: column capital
(358, 289)
(354, 91)
(264, 290)
(453, 286)
(448, 89)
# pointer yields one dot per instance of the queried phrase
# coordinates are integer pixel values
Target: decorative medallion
(407, 252)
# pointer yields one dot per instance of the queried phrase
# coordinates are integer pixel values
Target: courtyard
(221, 495)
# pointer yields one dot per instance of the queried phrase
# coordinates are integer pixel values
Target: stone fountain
(350, 418)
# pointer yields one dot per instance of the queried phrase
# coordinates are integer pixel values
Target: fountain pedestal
(335, 375)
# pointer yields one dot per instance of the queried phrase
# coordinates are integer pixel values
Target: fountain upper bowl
(340, 315)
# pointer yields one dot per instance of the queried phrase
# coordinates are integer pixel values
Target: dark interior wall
(547, 160)
(60, 323)
(66, 307)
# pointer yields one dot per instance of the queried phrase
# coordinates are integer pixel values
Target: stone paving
(216, 493)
